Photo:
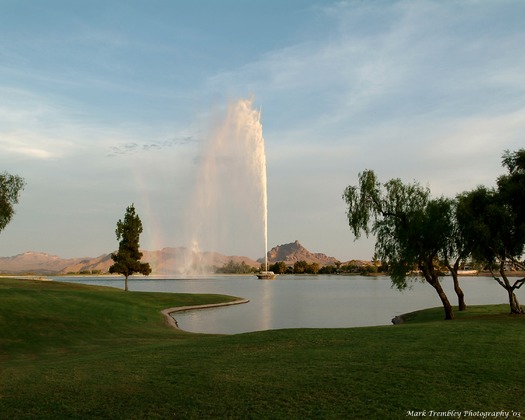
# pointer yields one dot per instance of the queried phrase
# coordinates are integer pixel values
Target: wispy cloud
(130, 148)
(387, 60)
(36, 127)
(29, 152)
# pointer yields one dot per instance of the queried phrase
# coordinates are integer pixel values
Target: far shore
(16, 276)
(45, 277)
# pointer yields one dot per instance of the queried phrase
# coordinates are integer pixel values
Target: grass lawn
(76, 351)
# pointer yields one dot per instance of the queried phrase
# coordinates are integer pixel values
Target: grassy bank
(73, 351)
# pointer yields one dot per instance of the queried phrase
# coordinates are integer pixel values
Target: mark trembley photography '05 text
(500, 414)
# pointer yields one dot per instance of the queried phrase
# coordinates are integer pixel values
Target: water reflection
(267, 305)
(299, 302)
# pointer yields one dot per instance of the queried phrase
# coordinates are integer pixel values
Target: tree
(235, 268)
(300, 267)
(312, 268)
(511, 188)
(494, 220)
(10, 188)
(279, 267)
(411, 228)
(328, 269)
(456, 250)
(127, 259)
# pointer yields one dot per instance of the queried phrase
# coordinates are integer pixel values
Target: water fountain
(230, 195)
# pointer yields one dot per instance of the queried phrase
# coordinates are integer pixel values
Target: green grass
(74, 351)
(473, 313)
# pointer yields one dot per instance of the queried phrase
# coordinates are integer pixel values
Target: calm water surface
(302, 301)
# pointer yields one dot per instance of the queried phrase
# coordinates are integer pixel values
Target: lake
(302, 301)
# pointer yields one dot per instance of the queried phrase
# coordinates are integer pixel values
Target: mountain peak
(36, 254)
(293, 252)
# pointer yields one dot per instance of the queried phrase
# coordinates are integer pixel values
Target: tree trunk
(515, 307)
(126, 287)
(462, 306)
(433, 279)
(449, 314)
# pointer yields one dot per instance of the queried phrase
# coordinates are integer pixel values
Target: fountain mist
(228, 212)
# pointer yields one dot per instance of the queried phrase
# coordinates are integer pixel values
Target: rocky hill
(294, 251)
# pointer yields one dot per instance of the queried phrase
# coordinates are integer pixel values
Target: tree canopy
(411, 228)
(415, 230)
(127, 259)
(10, 188)
(494, 222)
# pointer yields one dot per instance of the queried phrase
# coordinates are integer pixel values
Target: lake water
(303, 301)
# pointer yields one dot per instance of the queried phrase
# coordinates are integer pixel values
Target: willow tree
(457, 250)
(411, 228)
(494, 219)
(10, 188)
(127, 259)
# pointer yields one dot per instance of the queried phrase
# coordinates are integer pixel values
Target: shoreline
(172, 322)
(28, 277)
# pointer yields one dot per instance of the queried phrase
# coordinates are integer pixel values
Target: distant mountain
(165, 261)
(100, 264)
(178, 260)
(37, 262)
(293, 252)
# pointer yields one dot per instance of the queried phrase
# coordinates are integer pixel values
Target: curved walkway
(173, 323)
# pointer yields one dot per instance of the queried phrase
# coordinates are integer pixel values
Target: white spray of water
(228, 212)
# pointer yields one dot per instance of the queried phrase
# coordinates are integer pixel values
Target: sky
(108, 103)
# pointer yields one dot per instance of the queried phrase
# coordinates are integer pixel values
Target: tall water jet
(228, 212)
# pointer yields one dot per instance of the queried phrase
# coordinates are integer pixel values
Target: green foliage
(127, 259)
(511, 189)
(300, 267)
(369, 269)
(312, 268)
(350, 268)
(493, 220)
(10, 188)
(411, 228)
(364, 203)
(394, 212)
(279, 267)
(484, 221)
(457, 249)
(328, 269)
(232, 267)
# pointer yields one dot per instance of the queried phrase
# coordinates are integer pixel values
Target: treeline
(85, 272)
(232, 267)
(303, 267)
(299, 267)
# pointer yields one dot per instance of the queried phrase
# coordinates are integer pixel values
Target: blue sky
(105, 103)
